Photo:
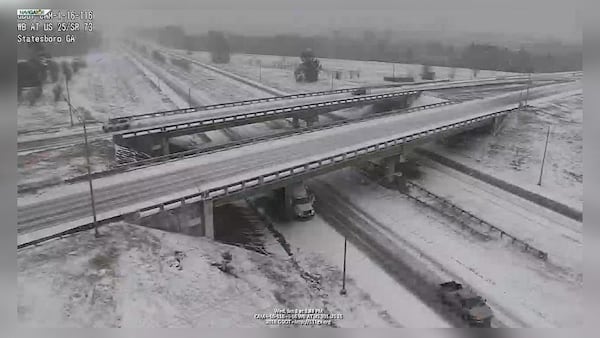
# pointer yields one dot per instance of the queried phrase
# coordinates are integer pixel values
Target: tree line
(371, 47)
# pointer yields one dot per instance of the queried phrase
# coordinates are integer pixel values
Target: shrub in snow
(57, 91)
(34, 94)
(66, 68)
(158, 56)
(54, 70)
(452, 73)
(77, 64)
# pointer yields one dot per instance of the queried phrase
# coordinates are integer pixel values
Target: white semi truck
(302, 201)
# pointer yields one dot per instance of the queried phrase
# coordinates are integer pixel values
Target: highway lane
(141, 124)
(62, 204)
(255, 107)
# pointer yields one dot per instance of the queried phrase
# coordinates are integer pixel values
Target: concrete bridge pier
(287, 202)
(393, 167)
(206, 215)
(400, 177)
(389, 169)
(295, 122)
(497, 123)
(311, 120)
(164, 141)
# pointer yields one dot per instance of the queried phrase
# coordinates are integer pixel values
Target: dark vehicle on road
(361, 91)
(469, 306)
(116, 124)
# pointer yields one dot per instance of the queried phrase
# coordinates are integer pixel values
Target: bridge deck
(127, 192)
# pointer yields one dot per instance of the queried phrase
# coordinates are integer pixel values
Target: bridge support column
(207, 219)
(497, 124)
(165, 145)
(400, 177)
(311, 120)
(287, 202)
(295, 122)
(389, 168)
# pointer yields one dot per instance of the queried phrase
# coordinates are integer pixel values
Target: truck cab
(302, 202)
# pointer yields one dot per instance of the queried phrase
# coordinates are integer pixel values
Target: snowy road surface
(315, 243)
(116, 194)
(523, 290)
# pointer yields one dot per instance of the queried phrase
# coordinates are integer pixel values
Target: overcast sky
(538, 18)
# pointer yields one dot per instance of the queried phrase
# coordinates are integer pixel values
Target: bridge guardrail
(527, 247)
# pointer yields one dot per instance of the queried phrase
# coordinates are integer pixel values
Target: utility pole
(259, 71)
(343, 291)
(520, 99)
(189, 96)
(89, 172)
(544, 157)
(331, 80)
(527, 93)
(69, 100)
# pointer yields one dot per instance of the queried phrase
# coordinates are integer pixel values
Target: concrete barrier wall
(526, 194)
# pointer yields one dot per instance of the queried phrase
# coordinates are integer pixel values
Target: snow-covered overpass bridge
(234, 173)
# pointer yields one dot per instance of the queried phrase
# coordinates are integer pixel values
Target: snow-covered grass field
(127, 278)
(515, 154)
(109, 86)
(271, 73)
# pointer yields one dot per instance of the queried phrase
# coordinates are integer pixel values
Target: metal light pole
(189, 96)
(343, 291)
(259, 71)
(544, 157)
(69, 100)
